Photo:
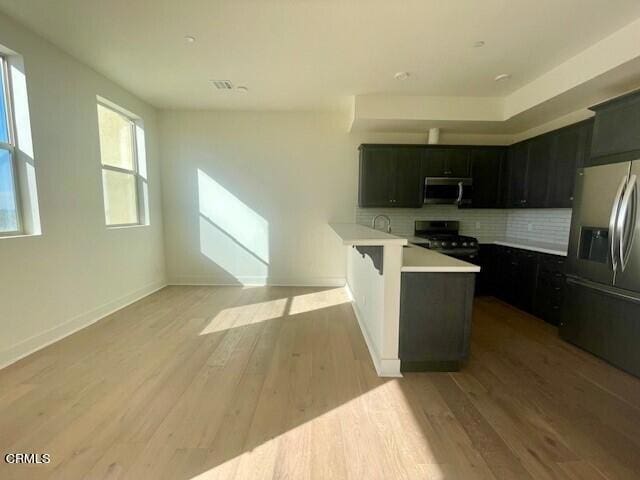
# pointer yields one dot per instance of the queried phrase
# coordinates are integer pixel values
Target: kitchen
(319, 239)
(578, 272)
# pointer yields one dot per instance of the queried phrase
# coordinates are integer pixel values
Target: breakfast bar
(413, 304)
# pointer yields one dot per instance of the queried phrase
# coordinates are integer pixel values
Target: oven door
(445, 190)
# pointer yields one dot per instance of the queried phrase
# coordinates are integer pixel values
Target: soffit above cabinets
(605, 70)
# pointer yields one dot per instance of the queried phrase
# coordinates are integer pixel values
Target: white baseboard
(385, 367)
(250, 281)
(46, 338)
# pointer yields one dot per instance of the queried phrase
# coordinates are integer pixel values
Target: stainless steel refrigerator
(602, 303)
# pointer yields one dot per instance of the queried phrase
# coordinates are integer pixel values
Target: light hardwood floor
(226, 382)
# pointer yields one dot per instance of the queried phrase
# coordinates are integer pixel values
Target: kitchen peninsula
(413, 305)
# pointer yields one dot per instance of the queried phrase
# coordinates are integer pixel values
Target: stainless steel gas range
(443, 237)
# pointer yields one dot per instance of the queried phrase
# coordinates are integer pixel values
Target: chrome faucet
(375, 219)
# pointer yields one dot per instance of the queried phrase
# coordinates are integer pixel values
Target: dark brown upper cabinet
(615, 131)
(535, 173)
(541, 171)
(539, 164)
(516, 175)
(446, 162)
(487, 165)
(570, 148)
(390, 176)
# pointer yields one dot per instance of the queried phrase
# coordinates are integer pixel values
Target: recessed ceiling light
(242, 89)
(402, 75)
(189, 39)
(502, 77)
(478, 44)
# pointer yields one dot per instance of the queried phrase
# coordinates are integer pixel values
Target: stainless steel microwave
(447, 190)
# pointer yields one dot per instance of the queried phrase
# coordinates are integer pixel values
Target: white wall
(291, 173)
(77, 270)
(376, 302)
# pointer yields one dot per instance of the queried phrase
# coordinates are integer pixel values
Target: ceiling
(314, 54)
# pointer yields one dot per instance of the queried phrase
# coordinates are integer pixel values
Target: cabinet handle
(447, 172)
(523, 201)
(571, 199)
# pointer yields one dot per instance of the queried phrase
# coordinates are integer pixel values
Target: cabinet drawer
(553, 264)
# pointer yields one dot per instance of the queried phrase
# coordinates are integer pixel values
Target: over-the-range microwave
(448, 190)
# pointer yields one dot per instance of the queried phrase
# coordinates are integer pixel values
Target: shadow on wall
(232, 235)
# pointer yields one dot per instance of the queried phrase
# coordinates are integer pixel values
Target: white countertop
(416, 240)
(542, 247)
(418, 259)
(354, 234)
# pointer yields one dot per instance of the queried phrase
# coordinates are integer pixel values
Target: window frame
(5, 78)
(138, 179)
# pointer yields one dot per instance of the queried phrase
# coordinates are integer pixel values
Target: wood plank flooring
(274, 382)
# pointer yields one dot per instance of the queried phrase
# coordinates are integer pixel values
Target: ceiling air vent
(223, 84)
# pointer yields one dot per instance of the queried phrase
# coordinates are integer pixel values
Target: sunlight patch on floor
(244, 315)
(317, 300)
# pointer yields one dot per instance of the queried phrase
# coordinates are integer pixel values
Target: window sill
(19, 235)
(123, 227)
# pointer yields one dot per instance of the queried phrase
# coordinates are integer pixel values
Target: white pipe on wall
(434, 136)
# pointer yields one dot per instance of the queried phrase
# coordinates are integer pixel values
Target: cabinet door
(538, 165)
(446, 162)
(616, 126)
(506, 274)
(408, 183)
(567, 154)
(549, 288)
(526, 276)
(457, 164)
(585, 156)
(486, 280)
(434, 162)
(377, 176)
(517, 174)
(486, 171)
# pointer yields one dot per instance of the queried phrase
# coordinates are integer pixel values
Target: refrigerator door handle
(622, 227)
(613, 246)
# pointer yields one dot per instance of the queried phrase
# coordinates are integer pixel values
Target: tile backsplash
(542, 225)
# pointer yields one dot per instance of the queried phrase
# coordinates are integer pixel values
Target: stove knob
(464, 244)
(454, 244)
(443, 244)
(433, 244)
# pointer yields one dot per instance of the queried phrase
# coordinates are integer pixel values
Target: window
(10, 222)
(124, 180)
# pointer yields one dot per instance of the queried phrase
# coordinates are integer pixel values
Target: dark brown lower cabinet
(435, 320)
(530, 281)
